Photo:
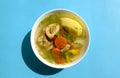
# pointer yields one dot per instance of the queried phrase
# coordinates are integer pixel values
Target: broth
(61, 37)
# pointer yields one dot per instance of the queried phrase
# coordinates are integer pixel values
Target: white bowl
(33, 33)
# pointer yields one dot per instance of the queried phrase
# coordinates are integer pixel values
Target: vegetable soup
(61, 37)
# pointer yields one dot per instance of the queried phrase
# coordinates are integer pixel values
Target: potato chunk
(72, 26)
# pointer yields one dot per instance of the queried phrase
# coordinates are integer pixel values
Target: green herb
(58, 34)
(69, 36)
(67, 55)
(64, 54)
(49, 57)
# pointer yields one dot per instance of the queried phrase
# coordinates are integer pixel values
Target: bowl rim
(36, 51)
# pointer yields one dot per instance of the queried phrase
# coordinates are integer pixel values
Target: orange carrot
(60, 42)
(57, 55)
(59, 61)
(56, 52)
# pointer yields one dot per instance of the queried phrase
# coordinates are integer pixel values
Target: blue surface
(17, 59)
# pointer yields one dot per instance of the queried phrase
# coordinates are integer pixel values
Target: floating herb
(69, 36)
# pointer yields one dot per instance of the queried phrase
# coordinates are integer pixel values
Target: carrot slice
(59, 61)
(56, 52)
(60, 42)
(57, 55)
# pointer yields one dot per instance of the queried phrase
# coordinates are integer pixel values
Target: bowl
(34, 35)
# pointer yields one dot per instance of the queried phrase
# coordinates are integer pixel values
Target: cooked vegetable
(52, 29)
(72, 26)
(68, 35)
(42, 41)
(68, 58)
(74, 51)
(57, 55)
(56, 52)
(67, 47)
(60, 42)
(58, 34)
(59, 60)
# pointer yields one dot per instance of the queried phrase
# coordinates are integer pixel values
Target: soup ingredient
(59, 61)
(63, 32)
(70, 54)
(60, 42)
(68, 35)
(72, 26)
(42, 41)
(57, 55)
(74, 51)
(52, 29)
(67, 47)
(68, 58)
(56, 52)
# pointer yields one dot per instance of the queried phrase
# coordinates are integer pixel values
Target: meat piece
(67, 47)
(52, 29)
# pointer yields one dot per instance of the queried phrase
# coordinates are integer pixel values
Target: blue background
(16, 56)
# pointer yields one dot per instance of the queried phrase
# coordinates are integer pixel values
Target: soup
(61, 37)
